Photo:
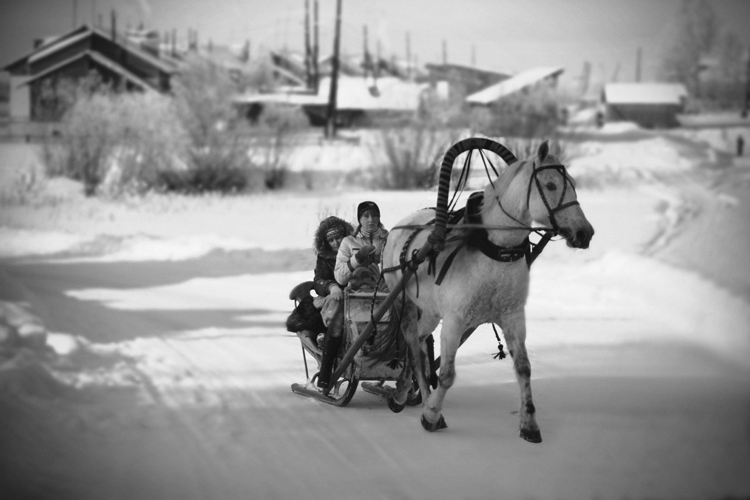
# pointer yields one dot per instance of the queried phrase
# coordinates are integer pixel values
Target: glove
(336, 293)
(365, 254)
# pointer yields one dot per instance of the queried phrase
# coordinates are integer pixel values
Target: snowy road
(640, 378)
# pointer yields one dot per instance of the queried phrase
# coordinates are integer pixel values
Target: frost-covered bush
(409, 157)
(123, 138)
(523, 114)
(273, 139)
(218, 138)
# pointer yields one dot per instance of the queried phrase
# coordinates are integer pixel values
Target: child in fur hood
(328, 237)
(315, 314)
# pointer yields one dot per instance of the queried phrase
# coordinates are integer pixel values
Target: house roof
(95, 56)
(353, 93)
(513, 84)
(81, 33)
(644, 93)
(464, 69)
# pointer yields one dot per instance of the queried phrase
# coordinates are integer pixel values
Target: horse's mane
(503, 181)
(508, 174)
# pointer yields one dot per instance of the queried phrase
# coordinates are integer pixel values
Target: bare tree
(696, 37)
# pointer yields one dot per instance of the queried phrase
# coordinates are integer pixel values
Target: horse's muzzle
(579, 238)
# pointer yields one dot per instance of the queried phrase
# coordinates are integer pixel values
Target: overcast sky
(503, 35)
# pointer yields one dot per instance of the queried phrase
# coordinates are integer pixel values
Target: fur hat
(328, 225)
(367, 205)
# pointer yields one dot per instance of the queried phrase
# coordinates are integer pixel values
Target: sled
(380, 360)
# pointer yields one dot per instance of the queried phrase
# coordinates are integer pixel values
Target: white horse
(477, 289)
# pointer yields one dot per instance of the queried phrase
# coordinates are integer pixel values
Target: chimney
(114, 25)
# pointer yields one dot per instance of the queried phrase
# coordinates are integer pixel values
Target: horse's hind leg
(514, 329)
(409, 329)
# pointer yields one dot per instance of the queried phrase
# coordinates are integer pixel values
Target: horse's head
(551, 199)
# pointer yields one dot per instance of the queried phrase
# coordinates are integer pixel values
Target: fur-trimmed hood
(320, 245)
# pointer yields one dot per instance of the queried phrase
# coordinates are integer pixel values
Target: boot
(330, 351)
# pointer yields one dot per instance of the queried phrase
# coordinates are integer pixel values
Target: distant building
(359, 100)
(470, 79)
(524, 81)
(650, 105)
(34, 78)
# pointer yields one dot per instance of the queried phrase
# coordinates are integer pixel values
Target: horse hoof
(531, 436)
(440, 424)
(414, 399)
(394, 406)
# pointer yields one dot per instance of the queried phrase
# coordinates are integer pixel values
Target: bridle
(560, 205)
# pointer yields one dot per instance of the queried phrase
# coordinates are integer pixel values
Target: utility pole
(316, 48)
(585, 78)
(366, 59)
(330, 131)
(746, 107)
(308, 49)
(445, 53)
(114, 25)
(377, 58)
(638, 65)
(408, 55)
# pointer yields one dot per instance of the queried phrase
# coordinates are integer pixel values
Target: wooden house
(35, 77)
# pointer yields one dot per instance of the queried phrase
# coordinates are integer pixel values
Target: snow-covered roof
(513, 84)
(644, 93)
(353, 93)
(76, 35)
(95, 56)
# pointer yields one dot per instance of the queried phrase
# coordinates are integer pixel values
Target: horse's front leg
(514, 329)
(450, 339)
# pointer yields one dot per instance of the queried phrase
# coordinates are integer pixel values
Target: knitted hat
(365, 206)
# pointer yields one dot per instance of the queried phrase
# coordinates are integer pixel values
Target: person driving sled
(362, 248)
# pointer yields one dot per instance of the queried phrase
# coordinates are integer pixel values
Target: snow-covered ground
(167, 367)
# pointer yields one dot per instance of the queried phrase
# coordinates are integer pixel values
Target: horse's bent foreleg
(514, 329)
(450, 338)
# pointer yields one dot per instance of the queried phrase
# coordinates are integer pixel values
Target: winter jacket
(346, 262)
(326, 258)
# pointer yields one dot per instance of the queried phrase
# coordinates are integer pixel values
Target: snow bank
(623, 298)
(634, 160)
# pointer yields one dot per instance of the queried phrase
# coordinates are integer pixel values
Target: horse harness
(478, 239)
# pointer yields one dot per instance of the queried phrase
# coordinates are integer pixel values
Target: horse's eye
(551, 186)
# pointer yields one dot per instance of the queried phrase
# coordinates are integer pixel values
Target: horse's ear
(543, 151)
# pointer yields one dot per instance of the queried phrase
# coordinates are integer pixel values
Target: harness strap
(446, 265)
(533, 253)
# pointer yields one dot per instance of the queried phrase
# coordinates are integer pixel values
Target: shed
(650, 105)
